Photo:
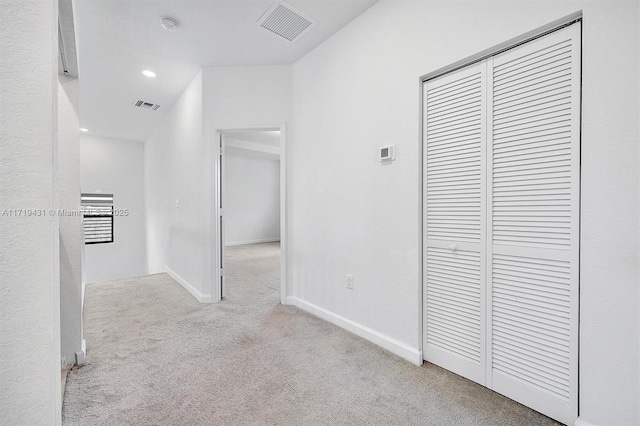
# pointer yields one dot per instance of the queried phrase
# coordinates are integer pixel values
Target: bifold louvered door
(534, 228)
(501, 246)
(455, 222)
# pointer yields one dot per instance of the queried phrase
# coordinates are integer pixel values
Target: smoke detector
(285, 21)
(169, 24)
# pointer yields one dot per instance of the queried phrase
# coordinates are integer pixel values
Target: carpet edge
(392, 345)
(202, 298)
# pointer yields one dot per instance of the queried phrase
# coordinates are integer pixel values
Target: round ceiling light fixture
(83, 129)
(149, 73)
(169, 24)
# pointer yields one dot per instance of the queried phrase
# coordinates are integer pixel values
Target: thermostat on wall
(386, 153)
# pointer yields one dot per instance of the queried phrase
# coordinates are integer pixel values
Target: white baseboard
(580, 422)
(241, 243)
(202, 298)
(412, 355)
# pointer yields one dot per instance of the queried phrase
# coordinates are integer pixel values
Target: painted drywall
(174, 190)
(71, 239)
(247, 96)
(116, 166)
(29, 265)
(180, 166)
(238, 97)
(349, 214)
(252, 199)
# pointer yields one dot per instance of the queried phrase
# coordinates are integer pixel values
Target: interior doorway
(251, 214)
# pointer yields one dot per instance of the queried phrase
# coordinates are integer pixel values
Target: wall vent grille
(285, 21)
(145, 105)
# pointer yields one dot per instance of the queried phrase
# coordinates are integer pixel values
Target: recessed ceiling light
(169, 24)
(82, 129)
(149, 73)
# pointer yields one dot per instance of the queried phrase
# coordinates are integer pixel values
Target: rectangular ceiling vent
(145, 105)
(285, 21)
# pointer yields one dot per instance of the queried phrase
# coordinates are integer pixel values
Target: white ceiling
(120, 38)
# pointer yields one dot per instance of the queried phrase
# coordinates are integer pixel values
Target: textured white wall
(349, 214)
(71, 239)
(30, 284)
(252, 199)
(174, 189)
(116, 166)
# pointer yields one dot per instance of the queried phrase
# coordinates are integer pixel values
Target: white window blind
(97, 213)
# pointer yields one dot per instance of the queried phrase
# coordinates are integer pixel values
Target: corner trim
(202, 298)
(410, 354)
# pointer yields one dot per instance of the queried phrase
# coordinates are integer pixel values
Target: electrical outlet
(350, 282)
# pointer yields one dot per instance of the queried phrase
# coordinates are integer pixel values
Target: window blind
(97, 213)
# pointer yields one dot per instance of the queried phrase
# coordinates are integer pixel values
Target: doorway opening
(251, 214)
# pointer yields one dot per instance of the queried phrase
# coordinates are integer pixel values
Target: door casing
(213, 260)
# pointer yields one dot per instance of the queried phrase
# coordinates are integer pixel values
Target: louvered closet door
(534, 202)
(454, 218)
(501, 222)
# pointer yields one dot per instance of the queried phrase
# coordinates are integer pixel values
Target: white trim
(283, 215)
(580, 422)
(242, 243)
(202, 298)
(403, 350)
(509, 44)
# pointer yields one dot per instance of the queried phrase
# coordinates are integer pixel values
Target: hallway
(157, 356)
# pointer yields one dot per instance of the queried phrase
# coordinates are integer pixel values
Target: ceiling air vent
(145, 105)
(285, 21)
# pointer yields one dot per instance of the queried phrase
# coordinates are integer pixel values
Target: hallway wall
(71, 232)
(247, 95)
(117, 167)
(179, 164)
(252, 199)
(360, 90)
(29, 264)
(174, 191)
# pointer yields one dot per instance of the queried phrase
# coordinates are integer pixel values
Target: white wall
(247, 96)
(252, 199)
(180, 167)
(351, 215)
(29, 260)
(174, 191)
(239, 96)
(71, 238)
(116, 166)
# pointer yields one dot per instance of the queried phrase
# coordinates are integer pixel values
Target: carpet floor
(156, 356)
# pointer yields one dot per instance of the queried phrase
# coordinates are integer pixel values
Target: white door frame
(214, 222)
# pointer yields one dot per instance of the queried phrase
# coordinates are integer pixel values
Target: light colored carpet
(158, 357)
